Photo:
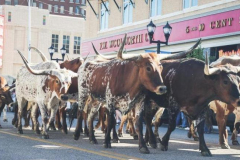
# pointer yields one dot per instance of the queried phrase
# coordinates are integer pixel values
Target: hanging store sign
(219, 24)
(1, 38)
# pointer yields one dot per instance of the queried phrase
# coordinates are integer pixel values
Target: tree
(197, 53)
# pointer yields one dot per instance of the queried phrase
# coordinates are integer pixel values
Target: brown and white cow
(192, 85)
(43, 86)
(120, 84)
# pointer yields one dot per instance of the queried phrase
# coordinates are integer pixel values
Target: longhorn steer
(45, 87)
(191, 87)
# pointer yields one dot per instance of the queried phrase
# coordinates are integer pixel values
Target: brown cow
(191, 87)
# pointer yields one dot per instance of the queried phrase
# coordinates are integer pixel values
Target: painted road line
(121, 155)
(114, 155)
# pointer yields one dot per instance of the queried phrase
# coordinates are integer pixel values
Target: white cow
(45, 84)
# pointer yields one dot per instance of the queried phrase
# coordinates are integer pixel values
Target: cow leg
(21, 103)
(115, 138)
(132, 127)
(43, 112)
(15, 119)
(202, 145)
(123, 120)
(110, 121)
(148, 121)
(192, 132)
(235, 132)
(5, 113)
(79, 125)
(57, 120)
(85, 117)
(90, 119)
(64, 122)
(34, 118)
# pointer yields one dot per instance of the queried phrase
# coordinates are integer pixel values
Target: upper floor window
(156, 7)
(66, 42)
(15, 2)
(70, 10)
(40, 5)
(189, 3)
(34, 3)
(83, 2)
(77, 10)
(50, 7)
(104, 16)
(77, 1)
(127, 11)
(77, 42)
(8, 2)
(56, 9)
(62, 9)
(62, 1)
(55, 42)
(70, 1)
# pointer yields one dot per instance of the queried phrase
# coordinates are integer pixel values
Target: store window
(8, 2)
(66, 41)
(40, 5)
(77, 42)
(104, 16)
(49, 7)
(62, 9)
(127, 11)
(55, 41)
(189, 3)
(70, 10)
(15, 2)
(156, 7)
(56, 9)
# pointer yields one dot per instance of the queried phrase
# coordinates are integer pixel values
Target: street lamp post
(166, 30)
(51, 52)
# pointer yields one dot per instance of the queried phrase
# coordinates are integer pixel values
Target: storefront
(219, 30)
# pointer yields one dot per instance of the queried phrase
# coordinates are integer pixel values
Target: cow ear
(212, 77)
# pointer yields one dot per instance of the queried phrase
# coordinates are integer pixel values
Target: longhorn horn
(86, 57)
(35, 72)
(180, 54)
(44, 58)
(209, 71)
(120, 52)
(102, 56)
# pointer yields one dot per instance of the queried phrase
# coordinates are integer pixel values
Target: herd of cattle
(139, 86)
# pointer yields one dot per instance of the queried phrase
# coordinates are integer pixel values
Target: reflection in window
(55, 42)
(77, 42)
(104, 16)
(189, 3)
(127, 11)
(156, 7)
(66, 42)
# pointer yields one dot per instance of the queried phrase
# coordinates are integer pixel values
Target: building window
(34, 4)
(156, 7)
(70, 10)
(56, 9)
(82, 12)
(127, 11)
(55, 42)
(66, 41)
(77, 10)
(40, 5)
(15, 2)
(62, 0)
(189, 3)
(50, 7)
(44, 20)
(77, 41)
(8, 2)
(70, 1)
(104, 16)
(62, 9)
(9, 16)
(77, 1)
(83, 2)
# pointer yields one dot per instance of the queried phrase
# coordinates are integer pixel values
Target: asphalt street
(60, 146)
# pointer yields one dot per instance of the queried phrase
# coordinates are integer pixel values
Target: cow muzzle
(64, 97)
(161, 90)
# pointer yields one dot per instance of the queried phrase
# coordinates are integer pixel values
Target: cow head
(57, 80)
(72, 65)
(226, 82)
(5, 94)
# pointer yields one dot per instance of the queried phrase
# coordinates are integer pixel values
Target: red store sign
(207, 26)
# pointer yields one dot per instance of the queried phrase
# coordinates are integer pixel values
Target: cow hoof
(75, 137)
(0, 126)
(120, 135)
(45, 136)
(144, 150)
(115, 140)
(206, 154)
(107, 145)
(135, 137)
(164, 148)
(127, 131)
(5, 120)
(153, 145)
(195, 138)
(189, 135)
(93, 141)
(235, 142)
(13, 121)
(37, 132)
(64, 131)
(225, 146)
(20, 132)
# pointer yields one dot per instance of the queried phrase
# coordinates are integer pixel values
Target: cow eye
(225, 82)
(57, 81)
(148, 69)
